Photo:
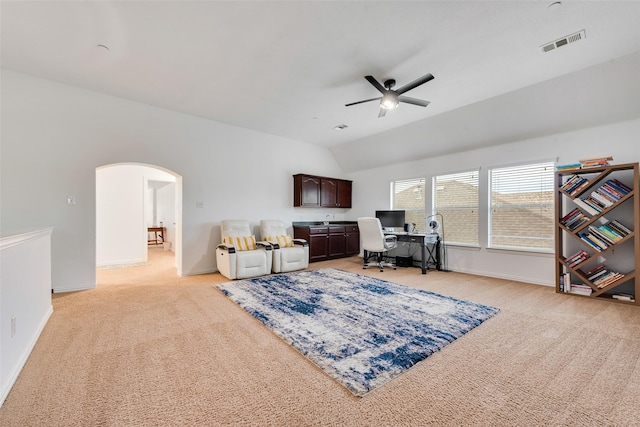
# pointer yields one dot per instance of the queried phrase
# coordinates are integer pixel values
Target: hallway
(159, 269)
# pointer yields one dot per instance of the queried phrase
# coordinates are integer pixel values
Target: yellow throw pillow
(284, 240)
(244, 243)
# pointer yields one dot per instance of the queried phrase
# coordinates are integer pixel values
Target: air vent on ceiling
(571, 38)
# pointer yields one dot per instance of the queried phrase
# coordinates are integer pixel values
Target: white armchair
(288, 254)
(239, 255)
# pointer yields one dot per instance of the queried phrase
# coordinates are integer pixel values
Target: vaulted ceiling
(288, 68)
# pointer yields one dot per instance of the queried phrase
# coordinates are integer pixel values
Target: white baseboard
(59, 290)
(122, 263)
(506, 277)
(15, 370)
(197, 272)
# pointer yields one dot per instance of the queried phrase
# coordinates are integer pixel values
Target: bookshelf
(598, 232)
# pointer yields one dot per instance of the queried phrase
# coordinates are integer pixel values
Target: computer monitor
(391, 219)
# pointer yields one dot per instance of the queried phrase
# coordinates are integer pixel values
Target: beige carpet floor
(147, 348)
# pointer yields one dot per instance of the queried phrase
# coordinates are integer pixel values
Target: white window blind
(408, 195)
(521, 207)
(456, 199)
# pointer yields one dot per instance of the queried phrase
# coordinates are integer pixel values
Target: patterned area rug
(360, 330)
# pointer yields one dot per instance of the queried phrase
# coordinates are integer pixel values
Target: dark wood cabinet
(318, 191)
(337, 243)
(306, 190)
(318, 238)
(352, 240)
(329, 241)
(344, 194)
(328, 193)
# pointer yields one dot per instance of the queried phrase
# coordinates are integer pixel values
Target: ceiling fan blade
(375, 84)
(382, 112)
(415, 84)
(413, 101)
(360, 102)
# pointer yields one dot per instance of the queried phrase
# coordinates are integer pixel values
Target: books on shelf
(624, 297)
(591, 162)
(592, 241)
(617, 226)
(613, 231)
(568, 166)
(573, 288)
(606, 235)
(604, 197)
(591, 210)
(574, 219)
(601, 276)
(565, 282)
(609, 193)
(574, 185)
(594, 162)
(577, 258)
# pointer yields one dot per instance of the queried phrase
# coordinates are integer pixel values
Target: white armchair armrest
(227, 247)
(300, 242)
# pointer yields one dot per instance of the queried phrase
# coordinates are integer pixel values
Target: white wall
(54, 137)
(371, 189)
(123, 211)
(164, 204)
(25, 296)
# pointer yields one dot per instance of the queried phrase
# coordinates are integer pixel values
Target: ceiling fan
(390, 98)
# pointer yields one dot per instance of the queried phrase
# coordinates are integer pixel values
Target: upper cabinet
(306, 190)
(320, 191)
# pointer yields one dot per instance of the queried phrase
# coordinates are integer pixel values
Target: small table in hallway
(158, 234)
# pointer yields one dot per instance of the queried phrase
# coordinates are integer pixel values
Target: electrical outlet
(13, 326)
(71, 200)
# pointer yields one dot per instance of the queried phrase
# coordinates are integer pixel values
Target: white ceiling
(287, 68)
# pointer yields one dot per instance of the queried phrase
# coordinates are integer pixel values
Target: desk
(429, 245)
(158, 234)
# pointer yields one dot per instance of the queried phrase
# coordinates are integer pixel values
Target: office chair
(374, 243)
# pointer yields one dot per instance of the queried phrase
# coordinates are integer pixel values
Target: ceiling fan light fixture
(389, 101)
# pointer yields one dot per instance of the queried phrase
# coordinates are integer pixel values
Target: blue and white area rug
(360, 330)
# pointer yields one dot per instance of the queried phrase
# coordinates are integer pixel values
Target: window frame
(465, 175)
(544, 185)
(409, 183)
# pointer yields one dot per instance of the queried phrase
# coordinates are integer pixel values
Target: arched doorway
(130, 198)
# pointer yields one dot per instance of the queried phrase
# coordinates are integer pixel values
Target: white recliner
(239, 255)
(288, 254)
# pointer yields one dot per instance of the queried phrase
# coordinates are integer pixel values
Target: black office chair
(374, 243)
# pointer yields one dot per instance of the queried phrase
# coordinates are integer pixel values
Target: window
(521, 207)
(455, 197)
(408, 194)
